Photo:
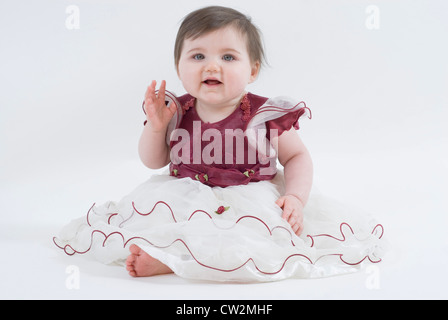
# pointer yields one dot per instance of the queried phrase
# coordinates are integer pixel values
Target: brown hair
(212, 18)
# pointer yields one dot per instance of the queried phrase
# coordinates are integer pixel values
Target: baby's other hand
(292, 212)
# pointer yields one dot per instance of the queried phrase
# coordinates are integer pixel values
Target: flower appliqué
(245, 106)
(222, 209)
(189, 104)
(202, 177)
(249, 173)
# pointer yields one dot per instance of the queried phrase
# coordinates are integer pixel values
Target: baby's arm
(298, 167)
(153, 149)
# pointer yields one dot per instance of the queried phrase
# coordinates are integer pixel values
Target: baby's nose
(213, 66)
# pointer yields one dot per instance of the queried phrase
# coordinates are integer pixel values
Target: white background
(70, 120)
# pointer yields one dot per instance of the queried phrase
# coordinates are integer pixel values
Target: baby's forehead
(227, 37)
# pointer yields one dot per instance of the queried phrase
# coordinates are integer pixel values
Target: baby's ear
(254, 71)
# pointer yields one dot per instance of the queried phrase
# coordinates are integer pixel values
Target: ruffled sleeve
(286, 122)
(280, 113)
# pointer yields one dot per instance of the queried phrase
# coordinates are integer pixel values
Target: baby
(223, 211)
(218, 52)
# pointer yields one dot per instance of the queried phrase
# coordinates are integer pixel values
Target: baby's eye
(198, 56)
(228, 57)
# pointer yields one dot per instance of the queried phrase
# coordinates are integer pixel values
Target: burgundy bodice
(218, 154)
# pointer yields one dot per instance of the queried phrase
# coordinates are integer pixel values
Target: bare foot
(141, 264)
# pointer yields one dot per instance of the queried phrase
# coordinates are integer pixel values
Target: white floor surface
(415, 268)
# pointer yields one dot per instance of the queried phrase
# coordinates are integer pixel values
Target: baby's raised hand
(292, 212)
(157, 113)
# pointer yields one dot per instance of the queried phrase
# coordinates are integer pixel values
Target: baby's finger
(299, 231)
(150, 91)
(280, 202)
(295, 227)
(161, 93)
(172, 107)
(293, 219)
(287, 212)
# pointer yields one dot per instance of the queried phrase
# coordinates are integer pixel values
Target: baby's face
(215, 68)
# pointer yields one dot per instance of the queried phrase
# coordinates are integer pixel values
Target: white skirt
(177, 222)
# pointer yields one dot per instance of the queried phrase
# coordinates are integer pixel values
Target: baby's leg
(141, 264)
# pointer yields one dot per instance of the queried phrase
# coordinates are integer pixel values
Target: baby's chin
(212, 97)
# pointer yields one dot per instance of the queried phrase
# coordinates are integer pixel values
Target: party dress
(212, 215)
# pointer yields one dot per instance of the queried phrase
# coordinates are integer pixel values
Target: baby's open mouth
(212, 82)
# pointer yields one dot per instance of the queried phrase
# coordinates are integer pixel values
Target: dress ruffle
(226, 234)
